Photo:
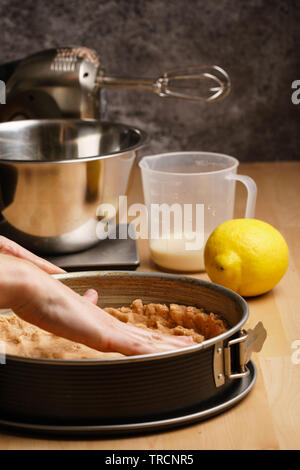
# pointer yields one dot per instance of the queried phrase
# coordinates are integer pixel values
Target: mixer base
(108, 254)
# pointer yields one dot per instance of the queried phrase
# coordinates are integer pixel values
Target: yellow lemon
(248, 256)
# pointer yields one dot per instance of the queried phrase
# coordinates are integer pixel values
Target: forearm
(42, 300)
(54, 307)
(15, 278)
(9, 247)
(45, 302)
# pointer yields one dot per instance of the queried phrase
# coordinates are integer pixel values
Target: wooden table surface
(269, 417)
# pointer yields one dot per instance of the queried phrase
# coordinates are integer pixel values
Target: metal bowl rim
(146, 357)
(142, 134)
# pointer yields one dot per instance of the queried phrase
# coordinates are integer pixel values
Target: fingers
(131, 340)
(9, 247)
(163, 342)
(156, 336)
(91, 295)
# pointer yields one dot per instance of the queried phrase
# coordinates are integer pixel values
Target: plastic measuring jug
(187, 195)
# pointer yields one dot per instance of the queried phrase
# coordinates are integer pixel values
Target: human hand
(8, 247)
(45, 302)
(56, 308)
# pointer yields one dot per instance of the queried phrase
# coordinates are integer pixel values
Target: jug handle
(251, 193)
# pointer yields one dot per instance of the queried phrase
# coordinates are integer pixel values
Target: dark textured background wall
(256, 41)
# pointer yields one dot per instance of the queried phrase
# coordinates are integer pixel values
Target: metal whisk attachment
(202, 83)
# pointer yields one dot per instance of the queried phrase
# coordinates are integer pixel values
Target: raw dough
(24, 339)
(175, 319)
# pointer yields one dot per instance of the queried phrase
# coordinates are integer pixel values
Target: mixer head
(54, 83)
(69, 82)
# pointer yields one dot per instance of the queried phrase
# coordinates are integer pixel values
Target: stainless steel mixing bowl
(55, 173)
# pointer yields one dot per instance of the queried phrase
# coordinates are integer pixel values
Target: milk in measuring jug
(172, 254)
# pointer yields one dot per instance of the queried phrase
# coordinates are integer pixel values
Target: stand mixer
(59, 159)
(70, 82)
